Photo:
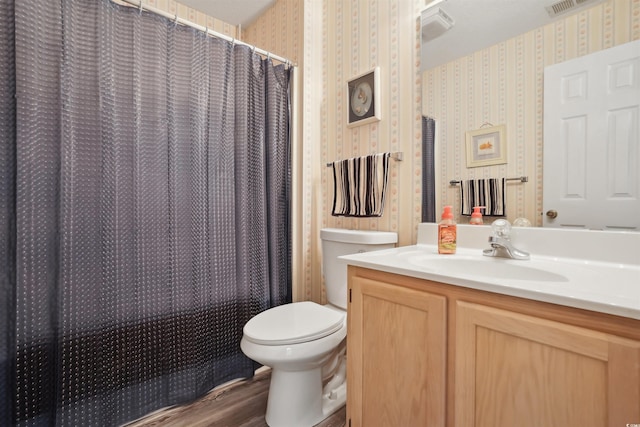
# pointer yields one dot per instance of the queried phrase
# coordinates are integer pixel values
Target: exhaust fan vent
(565, 6)
(435, 22)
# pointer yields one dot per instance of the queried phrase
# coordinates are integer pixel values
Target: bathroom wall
(279, 30)
(358, 35)
(340, 39)
(503, 85)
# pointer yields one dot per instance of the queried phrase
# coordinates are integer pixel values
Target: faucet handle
(501, 228)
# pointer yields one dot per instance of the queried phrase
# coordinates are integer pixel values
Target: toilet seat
(293, 324)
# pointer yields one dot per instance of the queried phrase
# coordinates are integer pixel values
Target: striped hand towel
(483, 192)
(360, 185)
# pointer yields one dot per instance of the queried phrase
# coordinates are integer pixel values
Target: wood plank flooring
(241, 404)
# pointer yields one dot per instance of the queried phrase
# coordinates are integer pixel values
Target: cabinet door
(517, 370)
(396, 356)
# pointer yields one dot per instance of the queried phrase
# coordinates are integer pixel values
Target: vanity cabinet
(396, 355)
(518, 370)
(422, 353)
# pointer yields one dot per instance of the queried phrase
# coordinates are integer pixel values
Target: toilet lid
(293, 323)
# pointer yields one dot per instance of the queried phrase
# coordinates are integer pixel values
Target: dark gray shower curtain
(145, 210)
(7, 204)
(428, 170)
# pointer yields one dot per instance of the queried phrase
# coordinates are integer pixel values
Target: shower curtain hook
(268, 56)
(140, 8)
(253, 50)
(175, 23)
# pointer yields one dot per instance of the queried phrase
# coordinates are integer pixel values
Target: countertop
(603, 286)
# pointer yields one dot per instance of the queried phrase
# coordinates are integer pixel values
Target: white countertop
(592, 284)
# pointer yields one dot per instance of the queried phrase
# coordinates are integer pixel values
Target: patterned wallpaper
(357, 36)
(360, 35)
(503, 85)
(279, 30)
(340, 39)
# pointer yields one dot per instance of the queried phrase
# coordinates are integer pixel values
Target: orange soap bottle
(447, 233)
(476, 216)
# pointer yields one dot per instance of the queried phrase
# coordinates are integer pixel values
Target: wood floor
(241, 404)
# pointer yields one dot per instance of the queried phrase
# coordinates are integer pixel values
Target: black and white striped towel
(360, 185)
(483, 192)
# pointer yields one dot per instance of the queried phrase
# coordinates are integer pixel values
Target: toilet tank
(337, 242)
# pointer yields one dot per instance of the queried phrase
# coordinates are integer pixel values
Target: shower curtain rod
(139, 4)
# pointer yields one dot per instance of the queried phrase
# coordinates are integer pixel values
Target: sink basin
(580, 275)
(496, 268)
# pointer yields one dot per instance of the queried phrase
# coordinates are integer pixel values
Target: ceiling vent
(435, 22)
(565, 6)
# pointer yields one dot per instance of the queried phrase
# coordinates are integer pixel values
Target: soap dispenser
(447, 233)
(476, 216)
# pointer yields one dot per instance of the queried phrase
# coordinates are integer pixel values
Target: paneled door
(592, 141)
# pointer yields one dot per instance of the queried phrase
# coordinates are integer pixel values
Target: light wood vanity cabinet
(396, 355)
(520, 370)
(422, 353)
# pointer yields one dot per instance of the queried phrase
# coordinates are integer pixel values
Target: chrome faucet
(500, 241)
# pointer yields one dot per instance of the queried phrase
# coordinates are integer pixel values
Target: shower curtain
(145, 184)
(428, 170)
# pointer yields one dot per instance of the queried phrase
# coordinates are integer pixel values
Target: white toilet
(304, 342)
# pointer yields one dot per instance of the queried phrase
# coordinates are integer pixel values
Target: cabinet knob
(552, 213)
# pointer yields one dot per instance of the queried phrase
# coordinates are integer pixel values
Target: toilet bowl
(304, 343)
(297, 352)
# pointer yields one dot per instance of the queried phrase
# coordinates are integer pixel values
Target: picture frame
(363, 98)
(486, 146)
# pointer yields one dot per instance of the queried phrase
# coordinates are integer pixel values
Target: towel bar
(520, 178)
(395, 156)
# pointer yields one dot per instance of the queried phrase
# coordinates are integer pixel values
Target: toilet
(304, 343)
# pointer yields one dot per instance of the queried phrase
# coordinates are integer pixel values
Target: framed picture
(486, 146)
(363, 98)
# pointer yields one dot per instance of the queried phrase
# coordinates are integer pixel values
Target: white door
(592, 141)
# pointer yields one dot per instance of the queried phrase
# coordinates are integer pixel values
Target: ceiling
(478, 23)
(483, 23)
(235, 12)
